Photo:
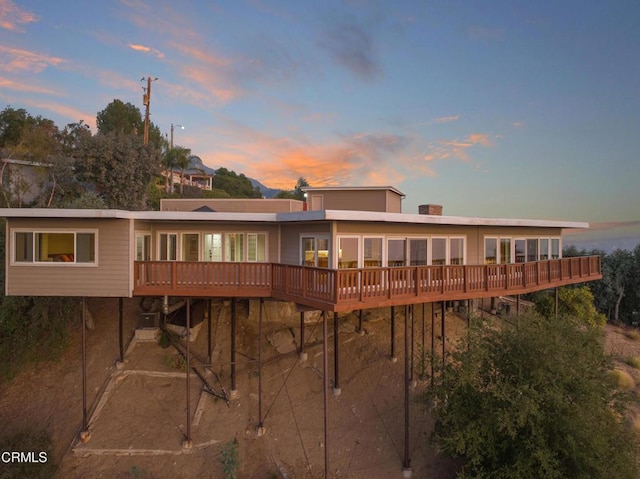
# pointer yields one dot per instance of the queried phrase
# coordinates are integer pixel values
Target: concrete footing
(85, 436)
(407, 472)
(303, 357)
(337, 391)
(187, 446)
(233, 394)
(393, 359)
(261, 431)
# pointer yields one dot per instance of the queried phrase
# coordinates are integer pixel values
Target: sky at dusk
(527, 109)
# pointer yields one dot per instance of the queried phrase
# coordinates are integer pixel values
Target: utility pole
(146, 101)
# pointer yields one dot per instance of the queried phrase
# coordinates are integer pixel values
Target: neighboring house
(351, 249)
(23, 180)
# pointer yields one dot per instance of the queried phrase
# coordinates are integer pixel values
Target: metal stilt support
(336, 355)
(85, 434)
(187, 444)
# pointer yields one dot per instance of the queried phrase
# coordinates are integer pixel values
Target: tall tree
(126, 119)
(120, 167)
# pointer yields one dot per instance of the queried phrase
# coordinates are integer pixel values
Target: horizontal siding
(290, 241)
(109, 279)
(234, 205)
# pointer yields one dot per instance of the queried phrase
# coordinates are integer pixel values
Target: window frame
(35, 232)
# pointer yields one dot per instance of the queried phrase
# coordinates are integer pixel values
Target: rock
(282, 341)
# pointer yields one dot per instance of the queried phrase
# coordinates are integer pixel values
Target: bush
(633, 361)
(533, 401)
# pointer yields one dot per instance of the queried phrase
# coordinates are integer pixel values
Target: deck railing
(367, 287)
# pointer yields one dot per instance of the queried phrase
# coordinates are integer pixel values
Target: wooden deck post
(556, 302)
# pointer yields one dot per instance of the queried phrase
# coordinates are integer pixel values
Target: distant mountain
(196, 164)
(266, 191)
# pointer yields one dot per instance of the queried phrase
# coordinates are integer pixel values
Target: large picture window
(372, 252)
(397, 252)
(418, 251)
(76, 247)
(347, 253)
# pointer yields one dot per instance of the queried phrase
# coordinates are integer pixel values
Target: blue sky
(493, 108)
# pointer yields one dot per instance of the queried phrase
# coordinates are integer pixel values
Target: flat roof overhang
(289, 217)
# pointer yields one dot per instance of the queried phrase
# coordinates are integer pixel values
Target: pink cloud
(145, 49)
(362, 159)
(14, 60)
(73, 115)
(13, 17)
(22, 87)
(447, 119)
(458, 149)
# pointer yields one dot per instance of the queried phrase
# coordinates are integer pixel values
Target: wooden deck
(351, 289)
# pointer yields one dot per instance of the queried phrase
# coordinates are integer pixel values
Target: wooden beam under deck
(351, 289)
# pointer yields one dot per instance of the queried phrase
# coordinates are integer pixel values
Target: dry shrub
(633, 361)
(623, 379)
(633, 335)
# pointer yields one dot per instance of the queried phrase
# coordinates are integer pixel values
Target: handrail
(313, 285)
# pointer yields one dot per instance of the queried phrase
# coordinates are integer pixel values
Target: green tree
(126, 119)
(297, 193)
(236, 185)
(532, 401)
(576, 302)
(120, 166)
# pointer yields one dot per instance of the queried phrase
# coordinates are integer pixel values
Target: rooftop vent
(435, 210)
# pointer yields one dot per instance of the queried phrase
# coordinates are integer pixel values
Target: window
(520, 250)
(347, 253)
(256, 247)
(555, 248)
(55, 247)
(143, 247)
(544, 249)
(439, 251)
(532, 249)
(234, 247)
(168, 246)
(456, 251)
(316, 251)
(418, 252)
(491, 250)
(397, 252)
(372, 252)
(505, 250)
(190, 246)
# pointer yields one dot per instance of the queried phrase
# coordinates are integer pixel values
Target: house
(346, 249)
(352, 248)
